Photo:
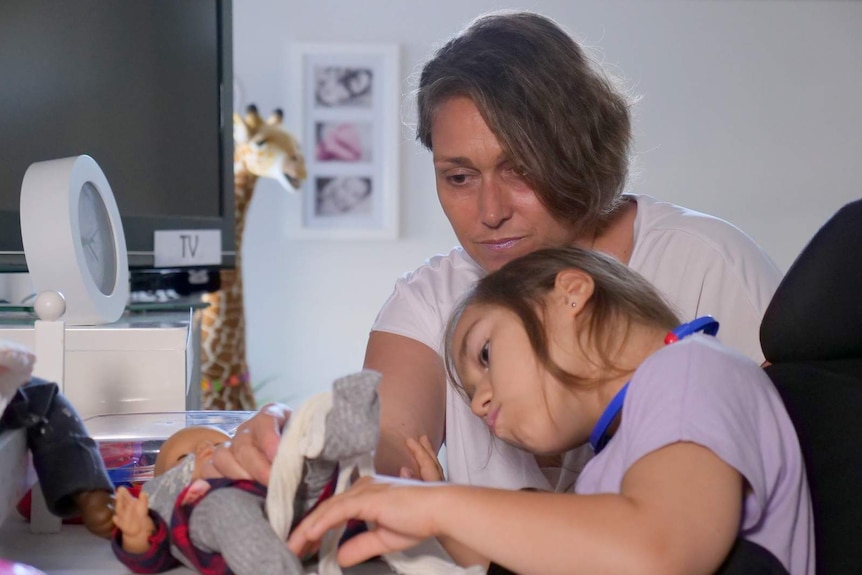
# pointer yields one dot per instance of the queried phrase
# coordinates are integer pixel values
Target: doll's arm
(140, 543)
(132, 518)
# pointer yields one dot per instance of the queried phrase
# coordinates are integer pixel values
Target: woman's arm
(412, 398)
(679, 512)
(412, 403)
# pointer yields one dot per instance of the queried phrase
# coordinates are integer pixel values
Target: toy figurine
(188, 515)
(66, 459)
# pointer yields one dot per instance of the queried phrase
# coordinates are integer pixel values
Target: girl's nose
(495, 206)
(481, 401)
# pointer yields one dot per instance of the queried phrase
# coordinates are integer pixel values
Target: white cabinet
(144, 362)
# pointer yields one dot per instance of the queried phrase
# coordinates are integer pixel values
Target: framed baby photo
(346, 108)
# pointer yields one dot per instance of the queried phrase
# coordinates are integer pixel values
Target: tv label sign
(176, 248)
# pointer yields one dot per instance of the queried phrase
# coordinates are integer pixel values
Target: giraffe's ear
(252, 119)
(277, 117)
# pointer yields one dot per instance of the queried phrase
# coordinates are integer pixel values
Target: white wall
(749, 111)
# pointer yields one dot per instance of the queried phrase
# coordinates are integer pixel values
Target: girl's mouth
(491, 418)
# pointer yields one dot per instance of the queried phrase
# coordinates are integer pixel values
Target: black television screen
(144, 87)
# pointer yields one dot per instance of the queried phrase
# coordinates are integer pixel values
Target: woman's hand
(400, 515)
(250, 453)
(423, 452)
(131, 516)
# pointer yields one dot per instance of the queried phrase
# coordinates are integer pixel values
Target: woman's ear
(573, 288)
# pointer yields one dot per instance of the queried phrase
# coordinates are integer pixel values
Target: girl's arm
(431, 470)
(679, 512)
(412, 398)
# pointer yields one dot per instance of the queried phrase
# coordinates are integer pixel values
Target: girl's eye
(485, 354)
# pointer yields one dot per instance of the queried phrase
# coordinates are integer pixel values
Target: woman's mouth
(501, 244)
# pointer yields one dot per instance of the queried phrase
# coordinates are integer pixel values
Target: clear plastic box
(130, 442)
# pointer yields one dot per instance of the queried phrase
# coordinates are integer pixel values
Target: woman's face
(521, 402)
(494, 213)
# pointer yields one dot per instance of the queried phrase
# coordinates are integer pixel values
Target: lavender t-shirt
(699, 391)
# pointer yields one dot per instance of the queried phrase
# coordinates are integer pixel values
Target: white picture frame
(345, 106)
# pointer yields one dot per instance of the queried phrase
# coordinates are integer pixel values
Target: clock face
(97, 238)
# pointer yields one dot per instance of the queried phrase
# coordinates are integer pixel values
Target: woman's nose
(495, 206)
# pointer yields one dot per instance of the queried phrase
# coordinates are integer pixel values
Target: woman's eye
(514, 175)
(485, 354)
(457, 179)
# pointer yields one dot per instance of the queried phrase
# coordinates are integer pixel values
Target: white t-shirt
(699, 391)
(701, 264)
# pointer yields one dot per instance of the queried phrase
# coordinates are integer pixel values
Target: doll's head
(197, 440)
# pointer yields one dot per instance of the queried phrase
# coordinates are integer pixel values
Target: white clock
(73, 239)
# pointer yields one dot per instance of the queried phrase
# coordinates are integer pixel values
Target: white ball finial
(49, 305)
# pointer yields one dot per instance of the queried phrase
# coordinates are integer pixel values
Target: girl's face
(510, 389)
(494, 213)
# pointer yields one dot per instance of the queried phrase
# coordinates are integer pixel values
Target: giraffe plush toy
(261, 149)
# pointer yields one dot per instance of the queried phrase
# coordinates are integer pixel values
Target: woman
(530, 147)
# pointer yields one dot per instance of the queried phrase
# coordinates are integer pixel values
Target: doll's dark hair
(562, 121)
(621, 298)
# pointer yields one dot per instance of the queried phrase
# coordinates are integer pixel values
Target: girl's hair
(621, 298)
(560, 120)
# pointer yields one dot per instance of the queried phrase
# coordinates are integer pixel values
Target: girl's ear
(573, 288)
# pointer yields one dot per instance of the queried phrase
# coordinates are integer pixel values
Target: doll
(70, 470)
(189, 515)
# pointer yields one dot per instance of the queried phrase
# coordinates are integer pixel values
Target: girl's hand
(400, 515)
(250, 453)
(426, 458)
(131, 516)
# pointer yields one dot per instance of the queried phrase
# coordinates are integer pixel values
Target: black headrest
(816, 312)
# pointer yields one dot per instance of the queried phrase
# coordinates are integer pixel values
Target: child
(190, 515)
(693, 446)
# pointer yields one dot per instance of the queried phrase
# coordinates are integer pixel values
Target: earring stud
(574, 304)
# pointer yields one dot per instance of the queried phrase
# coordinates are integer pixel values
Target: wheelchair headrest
(816, 312)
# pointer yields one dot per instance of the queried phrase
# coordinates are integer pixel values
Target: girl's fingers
(328, 514)
(432, 453)
(426, 443)
(361, 548)
(429, 467)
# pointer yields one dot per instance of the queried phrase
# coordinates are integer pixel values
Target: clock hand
(92, 250)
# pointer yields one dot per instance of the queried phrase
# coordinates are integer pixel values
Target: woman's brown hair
(559, 119)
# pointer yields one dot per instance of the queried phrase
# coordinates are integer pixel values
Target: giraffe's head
(266, 149)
